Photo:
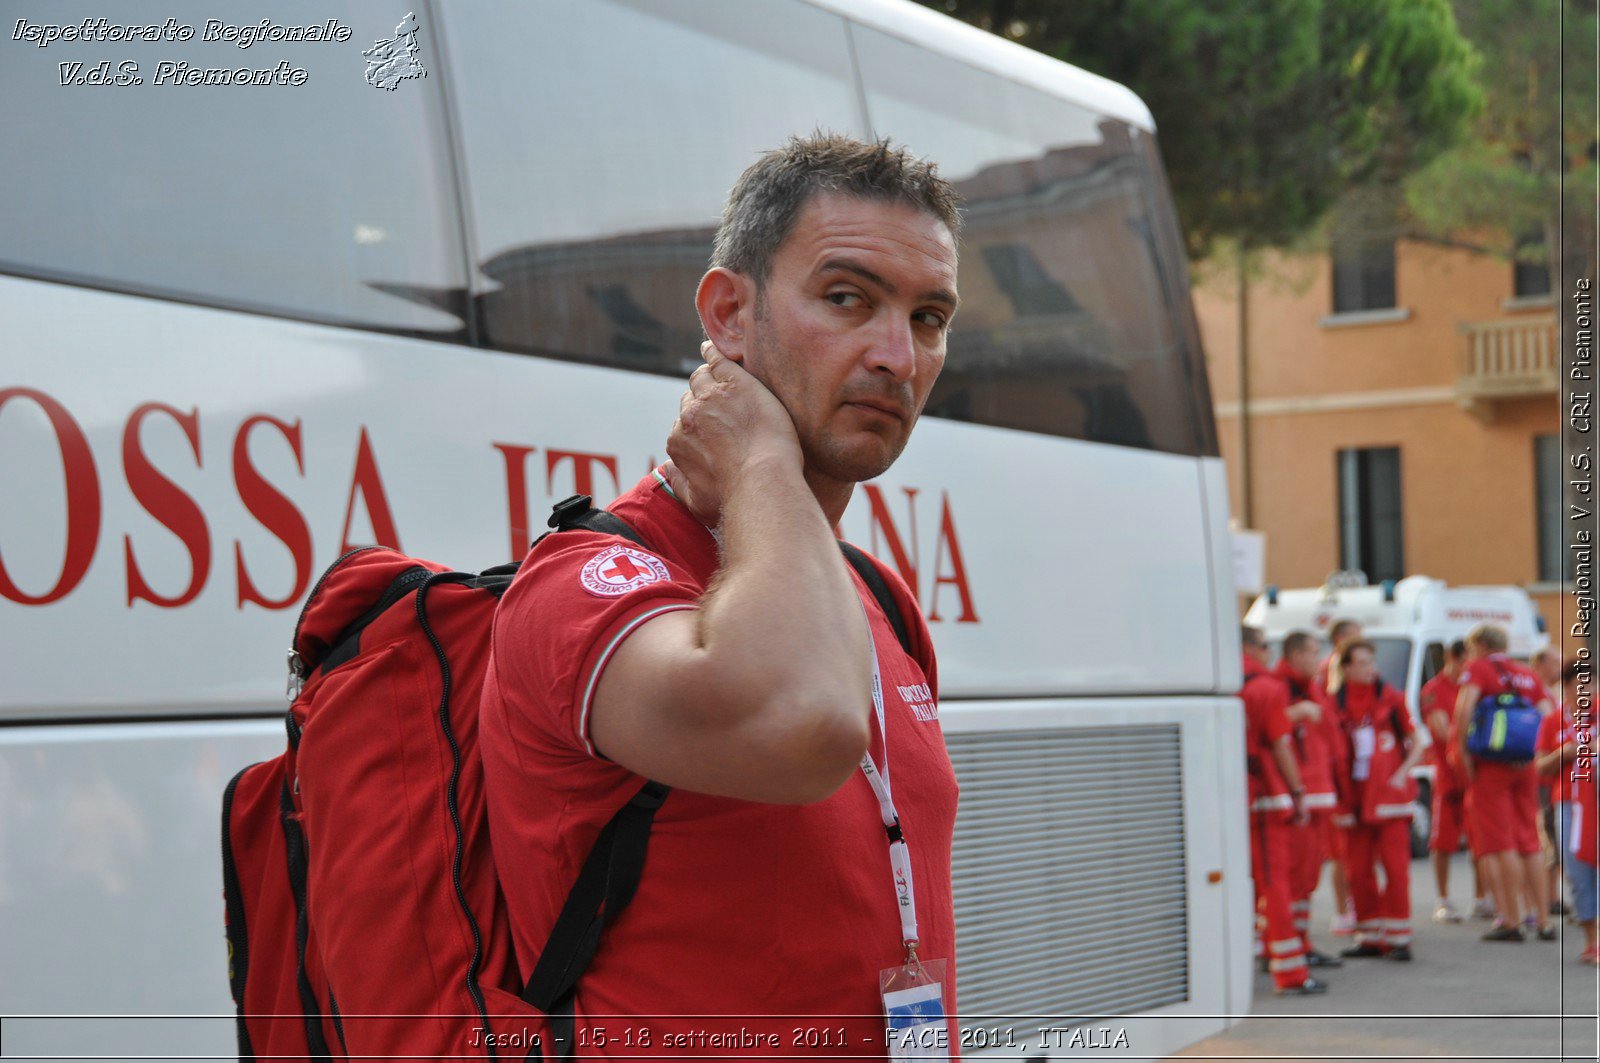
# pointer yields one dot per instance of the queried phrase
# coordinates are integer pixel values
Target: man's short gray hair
(768, 197)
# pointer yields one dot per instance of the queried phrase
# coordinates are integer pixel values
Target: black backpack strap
(604, 888)
(880, 590)
(610, 873)
(579, 511)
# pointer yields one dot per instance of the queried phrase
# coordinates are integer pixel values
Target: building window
(1530, 279)
(1363, 275)
(1547, 481)
(1369, 512)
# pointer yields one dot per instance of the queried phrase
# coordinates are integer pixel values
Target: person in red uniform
(1382, 750)
(1566, 758)
(1277, 807)
(1547, 665)
(1438, 700)
(1504, 803)
(1327, 677)
(1315, 734)
(804, 849)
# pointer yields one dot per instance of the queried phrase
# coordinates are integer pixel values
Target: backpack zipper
(297, 668)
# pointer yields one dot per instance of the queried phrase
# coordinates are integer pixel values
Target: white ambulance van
(1410, 622)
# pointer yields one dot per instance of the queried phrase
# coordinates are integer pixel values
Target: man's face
(850, 333)
(1304, 659)
(1362, 668)
(1548, 665)
(1259, 651)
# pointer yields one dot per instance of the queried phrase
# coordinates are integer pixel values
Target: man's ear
(725, 301)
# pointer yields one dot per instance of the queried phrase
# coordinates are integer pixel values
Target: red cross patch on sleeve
(620, 570)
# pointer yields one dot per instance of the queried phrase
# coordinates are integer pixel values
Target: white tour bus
(267, 291)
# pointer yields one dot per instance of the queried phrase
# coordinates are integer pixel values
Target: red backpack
(364, 916)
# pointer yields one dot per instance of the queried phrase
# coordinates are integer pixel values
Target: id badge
(913, 1009)
(1363, 742)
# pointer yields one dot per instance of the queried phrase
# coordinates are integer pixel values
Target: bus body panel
(1045, 565)
(111, 885)
(101, 865)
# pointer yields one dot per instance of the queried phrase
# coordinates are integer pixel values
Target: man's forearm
(783, 615)
(1286, 764)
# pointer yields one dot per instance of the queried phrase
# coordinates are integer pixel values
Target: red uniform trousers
(1272, 869)
(1383, 917)
(1449, 821)
(1311, 846)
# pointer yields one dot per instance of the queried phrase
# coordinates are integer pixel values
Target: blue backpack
(1505, 727)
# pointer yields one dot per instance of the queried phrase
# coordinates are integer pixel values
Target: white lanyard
(899, 852)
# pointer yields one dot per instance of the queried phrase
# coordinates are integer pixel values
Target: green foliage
(1268, 110)
(1537, 129)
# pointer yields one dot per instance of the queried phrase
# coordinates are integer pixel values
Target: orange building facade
(1418, 437)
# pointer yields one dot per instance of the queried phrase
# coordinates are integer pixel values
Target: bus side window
(1075, 312)
(272, 178)
(593, 217)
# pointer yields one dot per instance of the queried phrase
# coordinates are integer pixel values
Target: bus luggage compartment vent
(1069, 873)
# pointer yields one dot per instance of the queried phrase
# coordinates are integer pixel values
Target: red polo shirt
(776, 917)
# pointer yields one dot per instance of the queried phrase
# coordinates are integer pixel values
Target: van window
(1393, 659)
(326, 200)
(1075, 317)
(600, 142)
(1432, 660)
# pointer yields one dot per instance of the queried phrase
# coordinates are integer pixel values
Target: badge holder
(913, 1008)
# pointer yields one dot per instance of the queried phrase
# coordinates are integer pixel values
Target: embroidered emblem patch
(621, 569)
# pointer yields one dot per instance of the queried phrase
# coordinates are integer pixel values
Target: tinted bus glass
(601, 140)
(326, 200)
(1075, 316)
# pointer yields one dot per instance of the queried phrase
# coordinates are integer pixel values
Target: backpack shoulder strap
(579, 511)
(873, 578)
(610, 873)
(604, 887)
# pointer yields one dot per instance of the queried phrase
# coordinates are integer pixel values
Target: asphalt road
(1459, 999)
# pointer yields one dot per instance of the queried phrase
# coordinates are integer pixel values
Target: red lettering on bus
(957, 576)
(275, 512)
(881, 522)
(168, 504)
(83, 500)
(516, 459)
(367, 482)
(582, 470)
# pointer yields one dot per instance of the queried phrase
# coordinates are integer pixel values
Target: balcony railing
(1506, 359)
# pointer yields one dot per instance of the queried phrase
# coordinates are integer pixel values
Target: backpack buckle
(565, 511)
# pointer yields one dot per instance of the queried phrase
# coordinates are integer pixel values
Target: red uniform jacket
(1265, 699)
(1316, 744)
(1382, 708)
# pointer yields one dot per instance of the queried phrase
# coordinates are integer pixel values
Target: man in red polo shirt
(1503, 804)
(1315, 733)
(1438, 700)
(804, 850)
(1277, 808)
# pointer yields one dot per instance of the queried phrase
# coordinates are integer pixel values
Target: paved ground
(1460, 999)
